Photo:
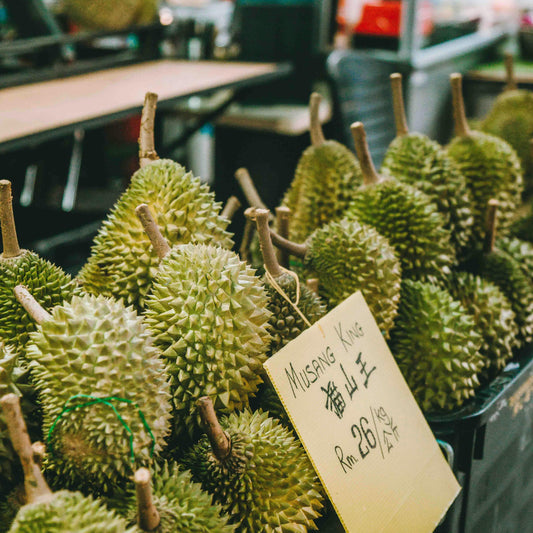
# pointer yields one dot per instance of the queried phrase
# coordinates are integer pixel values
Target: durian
(170, 502)
(257, 470)
(47, 512)
(415, 159)
(436, 345)
(50, 285)
(493, 316)
(103, 388)
(324, 181)
(521, 252)
(404, 215)
(522, 228)
(503, 270)
(208, 314)
(348, 256)
(122, 263)
(489, 164)
(511, 118)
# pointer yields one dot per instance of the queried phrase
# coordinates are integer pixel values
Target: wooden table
(30, 114)
(495, 72)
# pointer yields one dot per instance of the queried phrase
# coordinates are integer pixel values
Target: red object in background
(384, 18)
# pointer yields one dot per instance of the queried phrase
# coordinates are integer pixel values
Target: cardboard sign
(356, 417)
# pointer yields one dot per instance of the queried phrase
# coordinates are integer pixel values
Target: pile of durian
(141, 383)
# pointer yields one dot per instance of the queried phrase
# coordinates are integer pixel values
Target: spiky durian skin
(208, 314)
(123, 262)
(419, 161)
(182, 504)
(323, 185)
(285, 322)
(268, 401)
(436, 346)
(492, 170)
(48, 284)
(99, 347)
(521, 251)
(267, 483)
(522, 228)
(511, 118)
(493, 316)
(66, 512)
(410, 222)
(348, 256)
(501, 269)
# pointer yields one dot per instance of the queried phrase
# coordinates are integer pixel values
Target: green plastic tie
(104, 401)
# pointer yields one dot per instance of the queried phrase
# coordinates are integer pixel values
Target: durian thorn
(283, 218)
(147, 152)
(248, 234)
(151, 229)
(232, 206)
(368, 169)
(491, 222)
(7, 221)
(398, 105)
(510, 78)
(459, 116)
(32, 306)
(269, 254)
(219, 439)
(317, 135)
(34, 483)
(148, 517)
(39, 453)
(312, 284)
(248, 188)
(299, 250)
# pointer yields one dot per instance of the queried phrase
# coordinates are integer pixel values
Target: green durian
(404, 215)
(170, 502)
(493, 316)
(259, 473)
(324, 181)
(208, 313)
(97, 348)
(502, 269)
(511, 119)
(348, 256)
(48, 282)
(110, 14)
(436, 345)
(45, 511)
(122, 262)
(522, 227)
(417, 160)
(490, 165)
(521, 252)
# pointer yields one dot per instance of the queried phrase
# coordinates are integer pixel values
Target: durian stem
(7, 221)
(269, 255)
(148, 517)
(151, 229)
(32, 306)
(368, 169)
(283, 217)
(248, 234)
(312, 284)
(39, 453)
(220, 442)
(509, 72)
(490, 229)
(147, 152)
(248, 188)
(34, 482)
(459, 116)
(299, 250)
(231, 207)
(317, 135)
(398, 105)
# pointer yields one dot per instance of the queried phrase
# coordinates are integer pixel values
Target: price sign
(356, 417)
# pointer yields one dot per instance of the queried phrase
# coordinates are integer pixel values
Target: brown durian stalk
(312, 284)
(398, 105)
(370, 175)
(510, 78)
(490, 234)
(248, 188)
(272, 265)
(283, 215)
(30, 304)
(317, 135)
(37, 490)
(248, 234)
(459, 115)
(232, 206)
(149, 224)
(148, 518)
(147, 152)
(218, 438)
(7, 222)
